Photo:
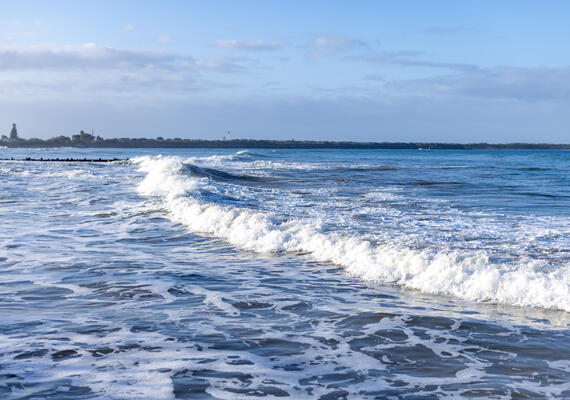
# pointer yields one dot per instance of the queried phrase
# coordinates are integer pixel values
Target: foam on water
(470, 276)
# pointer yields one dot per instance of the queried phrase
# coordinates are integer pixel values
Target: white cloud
(128, 28)
(97, 71)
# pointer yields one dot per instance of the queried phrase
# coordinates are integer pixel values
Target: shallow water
(308, 274)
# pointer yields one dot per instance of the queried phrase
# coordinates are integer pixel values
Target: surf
(469, 276)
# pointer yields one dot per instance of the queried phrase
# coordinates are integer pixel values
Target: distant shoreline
(89, 141)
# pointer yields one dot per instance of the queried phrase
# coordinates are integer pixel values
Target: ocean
(307, 274)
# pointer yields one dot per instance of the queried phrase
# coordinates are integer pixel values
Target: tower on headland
(13, 132)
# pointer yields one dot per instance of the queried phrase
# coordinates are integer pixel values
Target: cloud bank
(93, 70)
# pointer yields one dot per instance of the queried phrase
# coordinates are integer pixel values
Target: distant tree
(60, 140)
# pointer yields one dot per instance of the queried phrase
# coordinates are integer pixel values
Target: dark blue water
(304, 274)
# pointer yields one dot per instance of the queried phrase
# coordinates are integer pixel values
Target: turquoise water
(272, 273)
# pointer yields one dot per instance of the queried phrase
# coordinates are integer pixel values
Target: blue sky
(449, 71)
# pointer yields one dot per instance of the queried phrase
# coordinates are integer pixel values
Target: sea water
(331, 274)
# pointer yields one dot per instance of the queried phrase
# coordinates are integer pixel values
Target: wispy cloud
(128, 28)
(375, 77)
(90, 56)
(443, 31)
(85, 56)
(251, 45)
(328, 45)
(524, 84)
(410, 59)
(472, 81)
(221, 64)
(163, 39)
(14, 31)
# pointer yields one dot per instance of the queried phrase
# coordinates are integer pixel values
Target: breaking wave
(470, 276)
(221, 176)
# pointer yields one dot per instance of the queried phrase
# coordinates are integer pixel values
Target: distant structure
(14, 132)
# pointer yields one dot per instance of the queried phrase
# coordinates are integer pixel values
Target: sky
(427, 71)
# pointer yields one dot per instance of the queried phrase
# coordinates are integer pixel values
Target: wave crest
(467, 276)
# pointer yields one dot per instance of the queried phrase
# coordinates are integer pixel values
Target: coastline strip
(67, 159)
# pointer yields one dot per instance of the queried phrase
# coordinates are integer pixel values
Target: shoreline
(126, 143)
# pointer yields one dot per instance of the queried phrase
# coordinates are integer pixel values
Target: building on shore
(14, 132)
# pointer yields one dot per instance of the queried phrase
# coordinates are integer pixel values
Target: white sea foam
(18, 170)
(70, 174)
(468, 276)
(383, 196)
